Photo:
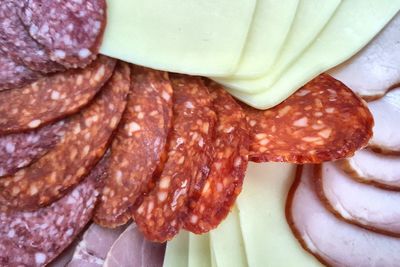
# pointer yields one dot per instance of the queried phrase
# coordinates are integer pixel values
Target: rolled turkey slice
(386, 113)
(364, 205)
(333, 241)
(375, 69)
(369, 167)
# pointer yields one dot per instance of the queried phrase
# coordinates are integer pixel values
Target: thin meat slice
(386, 112)
(21, 149)
(323, 121)
(364, 205)
(230, 158)
(52, 97)
(132, 249)
(137, 147)
(161, 213)
(85, 141)
(71, 31)
(331, 240)
(373, 168)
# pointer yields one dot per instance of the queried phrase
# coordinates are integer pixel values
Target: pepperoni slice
(52, 97)
(160, 215)
(225, 180)
(323, 121)
(86, 138)
(137, 146)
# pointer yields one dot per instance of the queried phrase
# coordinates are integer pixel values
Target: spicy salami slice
(21, 149)
(160, 215)
(224, 183)
(71, 31)
(18, 44)
(36, 238)
(323, 121)
(52, 97)
(85, 140)
(137, 146)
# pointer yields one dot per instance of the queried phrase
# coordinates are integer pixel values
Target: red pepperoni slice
(160, 215)
(323, 121)
(137, 146)
(225, 180)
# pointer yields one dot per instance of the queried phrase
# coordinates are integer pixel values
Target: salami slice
(137, 146)
(71, 31)
(230, 159)
(160, 215)
(21, 149)
(18, 44)
(85, 140)
(52, 97)
(35, 238)
(323, 121)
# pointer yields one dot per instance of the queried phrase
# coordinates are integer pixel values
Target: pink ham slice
(333, 241)
(376, 68)
(364, 205)
(369, 167)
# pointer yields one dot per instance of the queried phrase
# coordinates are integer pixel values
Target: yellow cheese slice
(194, 37)
(177, 252)
(199, 250)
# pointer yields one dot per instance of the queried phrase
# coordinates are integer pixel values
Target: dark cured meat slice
(137, 146)
(52, 97)
(36, 238)
(70, 30)
(18, 44)
(14, 75)
(86, 138)
(160, 215)
(225, 180)
(21, 149)
(323, 121)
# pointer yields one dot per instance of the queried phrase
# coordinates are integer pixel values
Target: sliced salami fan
(52, 97)
(21, 149)
(322, 121)
(137, 146)
(85, 141)
(386, 112)
(331, 240)
(224, 183)
(160, 215)
(18, 44)
(373, 168)
(364, 205)
(71, 31)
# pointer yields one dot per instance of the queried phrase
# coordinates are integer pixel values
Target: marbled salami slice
(160, 215)
(137, 146)
(71, 31)
(231, 148)
(21, 149)
(323, 121)
(85, 140)
(52, 97)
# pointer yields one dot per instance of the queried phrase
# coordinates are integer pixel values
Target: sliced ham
(331, 240)
(386, 113)
(376, 68)
(373, 168)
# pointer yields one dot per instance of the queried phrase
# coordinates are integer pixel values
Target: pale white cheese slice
(199, 250)
(177, 252)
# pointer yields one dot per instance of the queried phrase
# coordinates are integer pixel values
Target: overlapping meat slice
(386, 112)
(85, 140)
(322, 121)
(161, 214)
(331, 240)
(71, 31)
(137, 147)
(230, 157)
(365, 205)
(369, 167)
(52, 97)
